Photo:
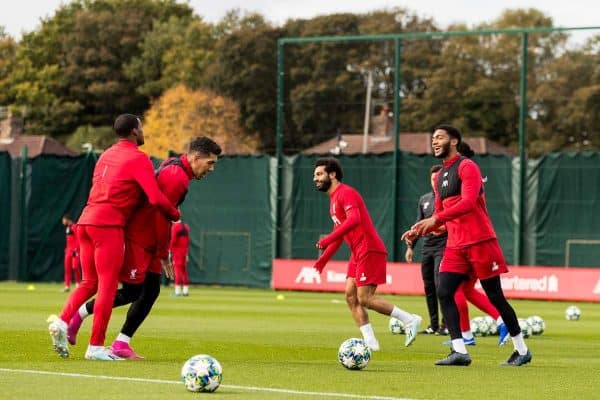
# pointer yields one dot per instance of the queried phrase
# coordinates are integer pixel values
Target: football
(396, 326)
(572, 313)
(526, 329)
(202, 373)
(491, 324)
(479, 326)
(537, 324)
(354, 354)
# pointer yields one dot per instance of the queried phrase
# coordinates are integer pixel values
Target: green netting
(58, 185)
(496, 170)
(229, 214)
(566, 209)
(5, 204)
(232, 212)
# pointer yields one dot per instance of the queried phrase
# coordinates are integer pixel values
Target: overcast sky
(24, 15)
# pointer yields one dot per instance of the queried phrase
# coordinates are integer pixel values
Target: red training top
(123, 173)
(464, 214)
(352, 223)
(71, 235)
(180, 237)
(148, 227)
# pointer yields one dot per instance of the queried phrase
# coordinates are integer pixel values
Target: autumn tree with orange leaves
(182, 114)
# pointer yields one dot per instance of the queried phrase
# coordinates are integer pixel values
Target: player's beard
(325, 185)
(445, 151)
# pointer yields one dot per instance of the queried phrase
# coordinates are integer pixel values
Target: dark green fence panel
(413, 182)
(229, 215)
(566, 209)
(496, 171)
(58, 185)
(5, 206)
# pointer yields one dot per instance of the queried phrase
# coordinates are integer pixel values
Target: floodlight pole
(279, 139)
(395, 159)
(365, 145)
(520, 223)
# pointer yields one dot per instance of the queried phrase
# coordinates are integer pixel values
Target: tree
(565, 112)
(176, 51)
(84, 47)
(8, 49)
(325, 96)
(246, 70)
(181, 114)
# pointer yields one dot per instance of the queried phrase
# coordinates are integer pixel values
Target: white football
(572, 313)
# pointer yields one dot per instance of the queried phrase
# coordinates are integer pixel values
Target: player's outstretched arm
(327, 254)
(352, 220)
(144, 176)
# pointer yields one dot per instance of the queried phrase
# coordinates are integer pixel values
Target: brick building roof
(36, 145)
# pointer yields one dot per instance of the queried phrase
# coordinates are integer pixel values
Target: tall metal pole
(520, 225)
(279, 133)
(365, 145)
(396, 172)
(23, 212)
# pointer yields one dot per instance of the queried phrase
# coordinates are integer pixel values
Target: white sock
(123, 338)
(467, 335)
(185, 289)
(368, 333)
(459, 346)
(402, 315)
(83, 312)
(177, 289)
(519, 344)
(499, 321)
(62, 324)
(92, 349)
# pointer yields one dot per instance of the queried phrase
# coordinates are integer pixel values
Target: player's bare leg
(360, 315)
(367, 299)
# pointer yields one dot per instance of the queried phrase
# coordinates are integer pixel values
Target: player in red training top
(122, 175)
(71, 253)
(367, 265)
(147, 244)
(180, 242)
(472, 247)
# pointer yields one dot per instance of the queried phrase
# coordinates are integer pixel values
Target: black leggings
(127, 294)
(449, 282)
(141, 296)
(141, 307)
(493, 290)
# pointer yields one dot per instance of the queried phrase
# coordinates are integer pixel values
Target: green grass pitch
(286, 349)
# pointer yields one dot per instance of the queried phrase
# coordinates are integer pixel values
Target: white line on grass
(248, 388)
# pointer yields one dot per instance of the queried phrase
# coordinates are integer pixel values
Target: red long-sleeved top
(71, 237)
(121, 177)
(180, 240)
(148, 227)
(465, 215)
(352, 223)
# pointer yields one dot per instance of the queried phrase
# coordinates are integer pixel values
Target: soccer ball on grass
(396, 326)
(526, 329)
(354, 354)
(479, 326)
(202, 373)
(572, 313)
(538, 326)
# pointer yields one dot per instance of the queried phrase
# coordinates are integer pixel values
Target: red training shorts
(483, 260)
(369, 269)
(135, 264)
